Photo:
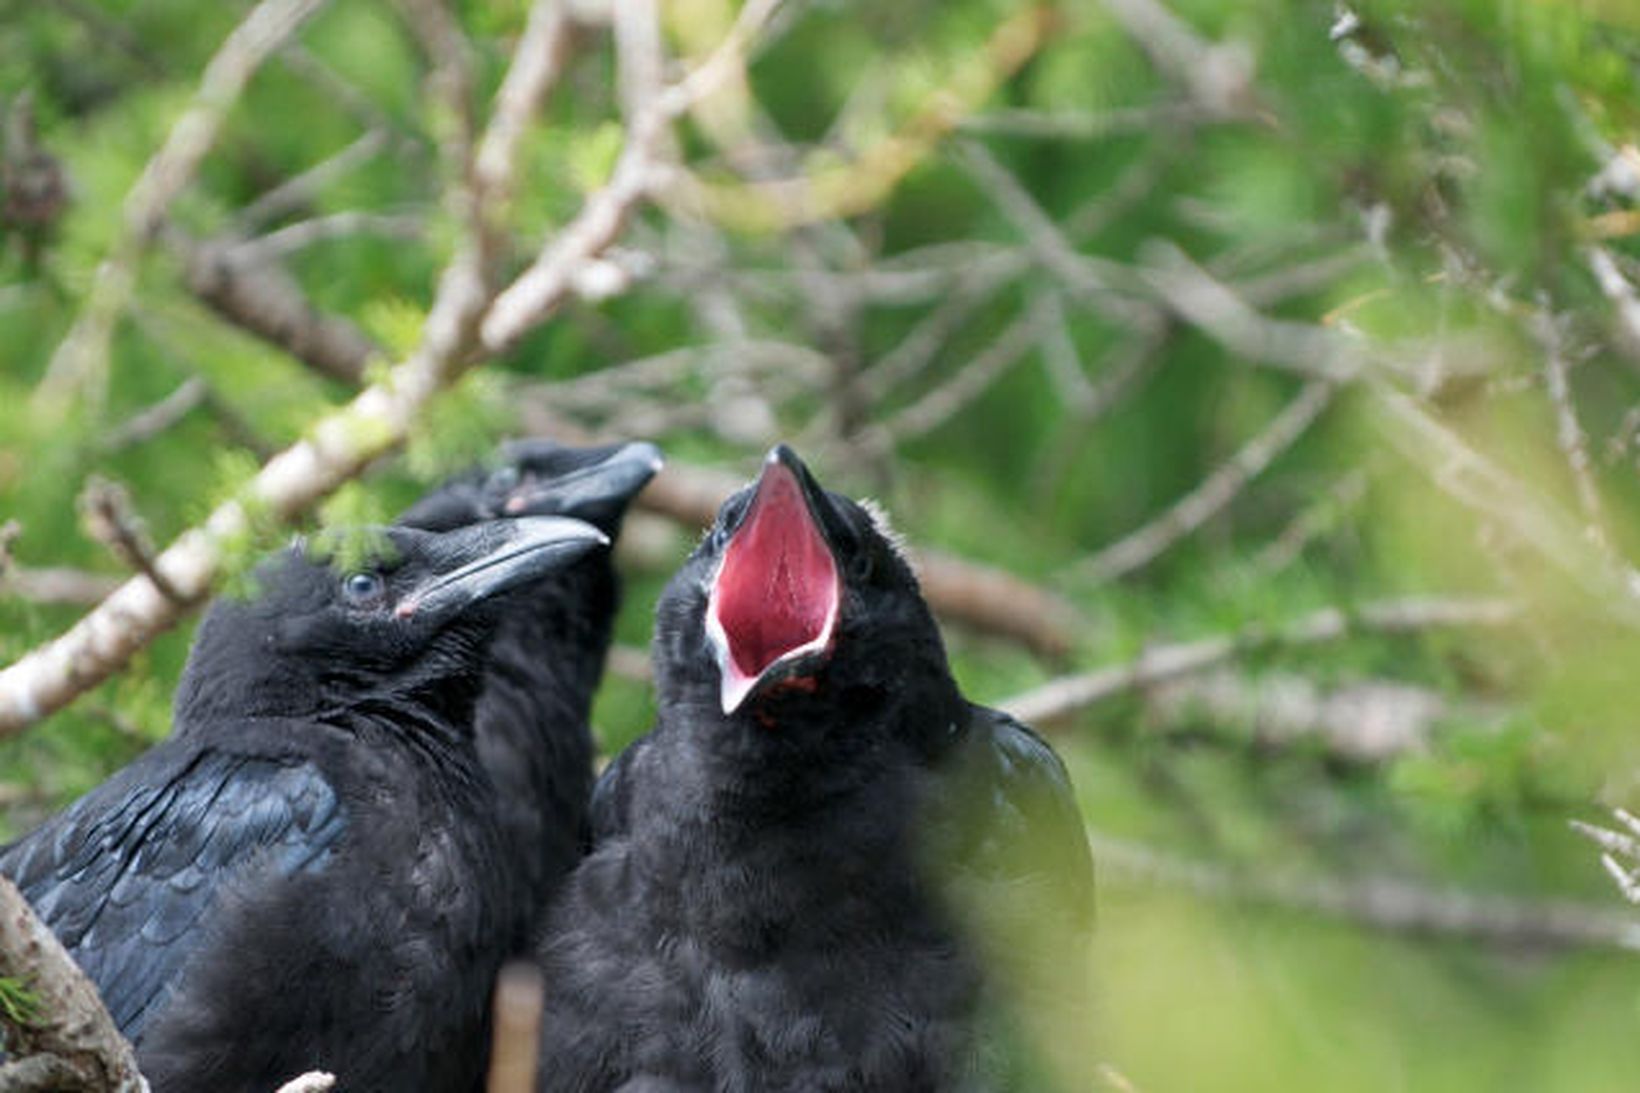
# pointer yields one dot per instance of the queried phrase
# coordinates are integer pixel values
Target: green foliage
(1446, 148)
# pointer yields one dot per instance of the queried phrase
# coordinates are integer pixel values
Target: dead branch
(1313, 521)
(1381, 903)
(1569, 431)
(69, 1024)
(1140, 548)
(153, 420)
(57, 585)
(1367, 721)
(1062, 698)
(266, 301)
(80, 361)
(111, 518)
(300, 189)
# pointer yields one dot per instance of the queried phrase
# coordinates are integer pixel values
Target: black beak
(481, 561)
(592, 484)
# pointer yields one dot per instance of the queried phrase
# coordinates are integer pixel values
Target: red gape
(777, 590)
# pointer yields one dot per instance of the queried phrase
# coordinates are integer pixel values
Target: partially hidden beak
(775, 597)
(496, 556)
(594, 484)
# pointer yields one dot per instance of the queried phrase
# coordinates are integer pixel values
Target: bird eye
(862, 565)
(363, 589)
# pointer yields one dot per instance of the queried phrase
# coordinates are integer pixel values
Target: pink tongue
(777, 588)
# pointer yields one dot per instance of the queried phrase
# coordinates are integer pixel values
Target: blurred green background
(1326, 306)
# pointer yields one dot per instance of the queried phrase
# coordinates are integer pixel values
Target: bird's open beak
(774, 600)
(487, 559)
(598, 491)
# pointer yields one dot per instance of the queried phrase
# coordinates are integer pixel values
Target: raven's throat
(774, 599)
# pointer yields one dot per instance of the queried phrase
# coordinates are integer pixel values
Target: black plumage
(797, 875)
(548, 654)
(305, 873)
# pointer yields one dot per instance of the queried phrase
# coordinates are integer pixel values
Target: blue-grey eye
(363, 588)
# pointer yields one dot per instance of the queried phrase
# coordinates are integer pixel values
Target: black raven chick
(548, 654)
(302, 875)
(779, 893)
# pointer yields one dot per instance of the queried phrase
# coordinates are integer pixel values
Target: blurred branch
(1314, 521)
(79, 365)
(838, 192)
(266, 301)
(1142, 547)
(155, 419)
(1219, 77)
(1366, 721)
(1569, 433)
(69, 1031)
(1062, 698)
(285, 241)
(298, 191)
(56, 585)
(1381, 903)
(314, 1081)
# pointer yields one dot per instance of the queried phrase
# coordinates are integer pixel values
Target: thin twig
(1569, 431)
(111, 518)
(299, 190)
(153, 420)
(1140, 548)
(285, 241)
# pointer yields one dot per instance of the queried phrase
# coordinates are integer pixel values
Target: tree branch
(1062, 698)
(1142, 547)
(69, 1022)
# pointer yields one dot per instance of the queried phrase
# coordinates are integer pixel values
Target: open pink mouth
(776, 592)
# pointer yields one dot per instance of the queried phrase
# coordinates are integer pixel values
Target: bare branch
(1381, 903)
(299, 190)
(111, 518)
(967, 383)
(1569, 431)
(1313, 521)
(153, 420)
(1142, 547)
(1365, 721)
(79, 365)
(56, 585)
(537, 63)
(70, 1023)
(1062, 698)
(285, 241)
(266, 301)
